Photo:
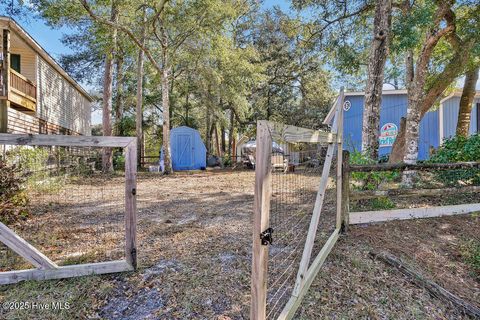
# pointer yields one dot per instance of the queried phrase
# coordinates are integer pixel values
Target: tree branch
(125, 30)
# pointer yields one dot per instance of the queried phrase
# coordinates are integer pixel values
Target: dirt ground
(194, 250)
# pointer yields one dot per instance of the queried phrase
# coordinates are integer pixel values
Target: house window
(15, 62)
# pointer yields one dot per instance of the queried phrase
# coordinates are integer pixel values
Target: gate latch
(267, 236)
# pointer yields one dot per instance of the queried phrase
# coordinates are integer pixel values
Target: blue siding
(394, 107)
(450, 117)
(188, 150)
(429, 134)
(352, 124)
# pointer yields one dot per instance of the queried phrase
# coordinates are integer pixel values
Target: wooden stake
(339, 160)
(292, 305)
(261, 221)
(131, 204)
(345, 190)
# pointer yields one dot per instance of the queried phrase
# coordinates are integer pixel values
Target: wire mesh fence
(59, 201)
(377, 190)
(297, 170)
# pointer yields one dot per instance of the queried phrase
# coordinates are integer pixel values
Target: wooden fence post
(261, 221)
(341, 98)
(131, 203)
(345, 190)
(5, 75)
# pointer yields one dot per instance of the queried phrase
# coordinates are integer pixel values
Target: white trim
(12, 24)
(413, 213)
(458, 94)
(384, 92)
(328, 119)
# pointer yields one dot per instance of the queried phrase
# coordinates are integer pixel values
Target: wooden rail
(371, 194)
(22, 84)
(416, 167)
(402, 214)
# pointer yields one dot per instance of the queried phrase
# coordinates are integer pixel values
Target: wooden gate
(46, 268)
(323, 147)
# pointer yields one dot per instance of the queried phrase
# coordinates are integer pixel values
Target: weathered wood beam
(345, 202)
(417, 167)
(433, 288)
(371, 194)
(292, 305)
(65, 141)
(24, 249)
(261, 220)
(339, 180)
(10, 277)
(131, 203)
(414, 213)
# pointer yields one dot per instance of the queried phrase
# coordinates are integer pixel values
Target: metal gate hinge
(267, 236)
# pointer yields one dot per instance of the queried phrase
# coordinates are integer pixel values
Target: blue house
(435, 126)
(188, 150)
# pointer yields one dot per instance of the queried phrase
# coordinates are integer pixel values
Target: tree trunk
(222, 133)
(464, 112)
(166, 122)
(139, 102)
(207, 130)
(139, 109)
(210, 139)
(376, 66)
(119, 97)
(107, 160)
(230, 136)
(437, 87)
(166, 106)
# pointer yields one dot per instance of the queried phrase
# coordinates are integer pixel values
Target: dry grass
(194, 238)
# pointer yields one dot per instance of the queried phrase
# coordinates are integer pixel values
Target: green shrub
(118, 160)
(470, 251)
(382, 203)
(48, 169)
(13, 199)
(458, 149)
(29, 160)
(370, 180)
(227, 161)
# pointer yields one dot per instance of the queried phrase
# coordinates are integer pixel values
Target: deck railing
(22, 84)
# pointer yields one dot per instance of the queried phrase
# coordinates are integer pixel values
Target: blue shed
(188, 149)
(434, 127)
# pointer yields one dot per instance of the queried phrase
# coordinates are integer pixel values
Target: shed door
(185, 151)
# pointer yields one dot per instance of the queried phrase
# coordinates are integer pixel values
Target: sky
(47, 37)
